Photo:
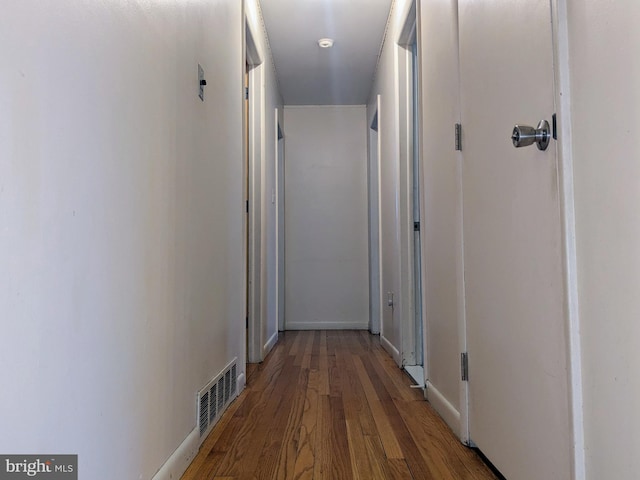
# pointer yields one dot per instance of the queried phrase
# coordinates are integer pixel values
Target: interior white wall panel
(326, 217)
(121, 211)
(604, 50)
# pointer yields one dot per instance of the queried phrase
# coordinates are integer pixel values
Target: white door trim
(375, 278)
(460, 286)
(382, 296)
(256, 122)
(279, 193)
(560, 29)
(404, 81)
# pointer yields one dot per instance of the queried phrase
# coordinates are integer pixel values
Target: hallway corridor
(332, 405)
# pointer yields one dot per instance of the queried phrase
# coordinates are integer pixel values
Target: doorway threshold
(416, 372)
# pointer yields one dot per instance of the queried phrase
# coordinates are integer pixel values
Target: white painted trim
(391, 350)
(254, 55)
(328, 325)
(373, 162)
(279, 146)
(422, 193)
(180, 460)
(382, 304)
(257, 253)
(409, 23)
(276, 206)
(269, 345)
(245, 219)
(403, 27)
(463, 387)
(404, 195)
(445, 409)
(241, 382)
(560, 30)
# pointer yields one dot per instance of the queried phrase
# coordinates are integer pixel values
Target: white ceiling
(310, 75)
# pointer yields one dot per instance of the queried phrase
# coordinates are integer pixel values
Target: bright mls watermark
(50, 467)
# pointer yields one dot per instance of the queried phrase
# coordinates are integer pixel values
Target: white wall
(121, 209)
(443, 271)
(605, 72)
(326, 218)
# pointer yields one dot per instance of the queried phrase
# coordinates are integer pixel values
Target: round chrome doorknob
(524, 135)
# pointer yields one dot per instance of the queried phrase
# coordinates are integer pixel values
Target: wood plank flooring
(332, 405)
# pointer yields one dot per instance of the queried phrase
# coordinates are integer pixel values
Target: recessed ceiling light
(325, 42)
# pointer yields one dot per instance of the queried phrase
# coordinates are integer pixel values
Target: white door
(518, 381)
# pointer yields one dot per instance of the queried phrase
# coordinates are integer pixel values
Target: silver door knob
(524, 135)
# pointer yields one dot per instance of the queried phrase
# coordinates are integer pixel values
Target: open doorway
(413, 341)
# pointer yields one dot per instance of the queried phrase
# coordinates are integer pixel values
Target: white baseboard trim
(179, 461)
(445, 409)
(269, 345)
(327, 326)
(391, 350)
(241, 381)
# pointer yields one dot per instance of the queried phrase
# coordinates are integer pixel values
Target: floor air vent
(221, 394)
(214, 398)
(204, 412)
(227, 386)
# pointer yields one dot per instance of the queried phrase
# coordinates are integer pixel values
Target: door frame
(409, 34)
(375, 249)
(256, 122)
(562, 81)
(280, 227)
(463, 385)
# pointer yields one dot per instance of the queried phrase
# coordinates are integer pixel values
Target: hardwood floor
(332, 405)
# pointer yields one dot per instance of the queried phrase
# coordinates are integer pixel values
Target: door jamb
(280, 238)
(562, 83)
(375, 321)
(408, 35)
(254, 59)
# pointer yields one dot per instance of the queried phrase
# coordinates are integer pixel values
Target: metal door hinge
(458, 133)
(246, 93)
(247, 206)
(464, 366)
(246, 319)
(416, 226)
